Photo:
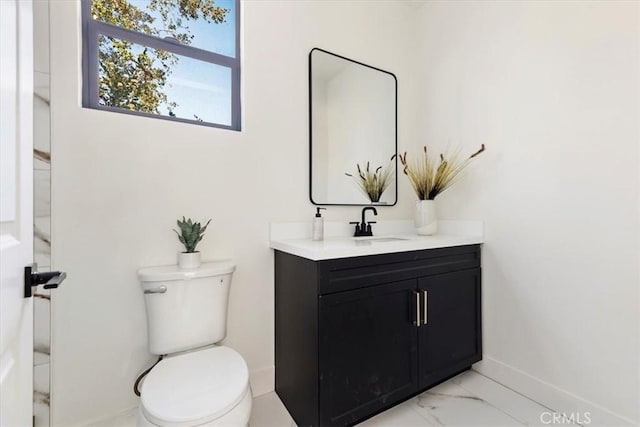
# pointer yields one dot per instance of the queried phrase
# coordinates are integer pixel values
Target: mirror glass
(353, 125)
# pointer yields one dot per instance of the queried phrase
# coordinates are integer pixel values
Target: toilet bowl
(197, 383)
(207, 387)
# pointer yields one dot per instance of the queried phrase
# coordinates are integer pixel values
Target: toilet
(197, 383)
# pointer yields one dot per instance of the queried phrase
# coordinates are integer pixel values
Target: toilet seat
(194, 388)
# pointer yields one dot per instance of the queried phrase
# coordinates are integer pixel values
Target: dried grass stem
(429, 178)
(373, 184)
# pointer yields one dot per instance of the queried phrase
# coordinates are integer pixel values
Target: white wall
(553, 89)
(119, 182)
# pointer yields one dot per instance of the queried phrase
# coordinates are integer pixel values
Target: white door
(16, 212)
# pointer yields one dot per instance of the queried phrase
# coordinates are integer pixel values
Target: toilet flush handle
(159, 290)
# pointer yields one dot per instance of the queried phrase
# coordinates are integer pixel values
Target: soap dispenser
(318, 226)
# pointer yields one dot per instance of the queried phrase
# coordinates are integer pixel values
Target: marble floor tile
(483, 403)
(519, 407)
(406, 415)
(268, 411)
(449, 404)
(125, 419)
(467, 400)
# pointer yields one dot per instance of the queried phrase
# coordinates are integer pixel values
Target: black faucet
(364, 228)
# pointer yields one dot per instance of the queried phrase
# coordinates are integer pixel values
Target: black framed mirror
(352, 132)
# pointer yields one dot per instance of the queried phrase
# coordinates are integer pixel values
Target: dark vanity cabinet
(368, 349)
(451, 339)
(355, 336)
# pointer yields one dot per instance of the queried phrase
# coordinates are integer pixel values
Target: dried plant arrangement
(430, 177)
(191, 233)
(373, 184)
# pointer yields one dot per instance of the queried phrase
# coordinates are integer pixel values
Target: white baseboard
(262, 380)
(548, 395)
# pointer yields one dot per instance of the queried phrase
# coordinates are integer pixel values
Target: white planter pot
(426, 219)
(189, 260)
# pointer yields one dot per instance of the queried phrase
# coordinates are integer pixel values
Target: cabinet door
(450, 337)
(368, 351)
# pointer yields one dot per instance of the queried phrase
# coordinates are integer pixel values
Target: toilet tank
(186, 309)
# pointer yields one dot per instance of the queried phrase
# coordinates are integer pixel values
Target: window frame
(93, 28)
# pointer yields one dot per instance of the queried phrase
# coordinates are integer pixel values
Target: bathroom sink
(389, 237)
(380, 239)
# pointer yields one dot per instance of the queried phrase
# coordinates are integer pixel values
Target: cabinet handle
(417, 321)
(425, 295)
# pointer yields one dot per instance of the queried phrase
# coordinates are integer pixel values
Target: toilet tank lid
(165, 273)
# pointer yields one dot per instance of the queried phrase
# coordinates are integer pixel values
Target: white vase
(188, 260)
(426, 219)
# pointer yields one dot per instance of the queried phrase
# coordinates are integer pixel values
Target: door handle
(416, 320)
(50, 279)
(425, 297)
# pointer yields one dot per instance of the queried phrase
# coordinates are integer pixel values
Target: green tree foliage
(133, 77)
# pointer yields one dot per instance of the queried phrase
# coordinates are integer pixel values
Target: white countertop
(389, 237)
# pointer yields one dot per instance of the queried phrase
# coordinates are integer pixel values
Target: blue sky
(200, 88)
(219, 38)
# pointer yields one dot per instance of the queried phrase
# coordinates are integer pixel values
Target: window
(170, 59)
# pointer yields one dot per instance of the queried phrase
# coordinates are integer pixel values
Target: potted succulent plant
(191, 233)
(429, 177)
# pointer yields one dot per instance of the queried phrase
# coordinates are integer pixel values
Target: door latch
(50, 279)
